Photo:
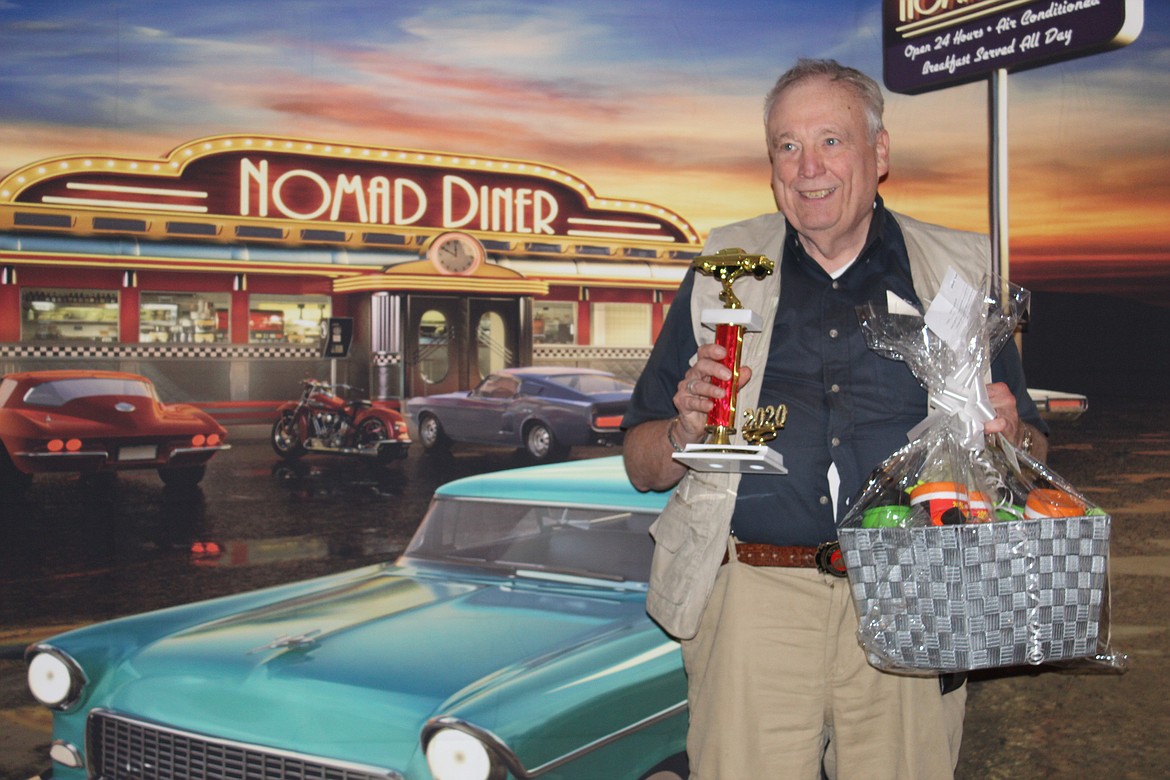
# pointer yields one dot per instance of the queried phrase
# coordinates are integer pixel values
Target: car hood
(354, 670)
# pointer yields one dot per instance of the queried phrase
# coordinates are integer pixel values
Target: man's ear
(882, 146)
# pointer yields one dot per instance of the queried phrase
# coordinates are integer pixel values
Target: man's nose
(810, 164)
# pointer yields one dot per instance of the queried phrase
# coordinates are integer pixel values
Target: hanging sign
(931, 44)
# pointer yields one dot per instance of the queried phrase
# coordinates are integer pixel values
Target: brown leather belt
(825, 558)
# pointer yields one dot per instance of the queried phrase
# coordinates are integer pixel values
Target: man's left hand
(1007, 420)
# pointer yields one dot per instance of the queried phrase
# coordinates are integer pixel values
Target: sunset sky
(656, 100)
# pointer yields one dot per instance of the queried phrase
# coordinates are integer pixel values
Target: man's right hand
(648, 448)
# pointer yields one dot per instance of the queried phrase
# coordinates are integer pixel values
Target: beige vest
(691, 533)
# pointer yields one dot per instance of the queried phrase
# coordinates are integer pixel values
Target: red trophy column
(730, 323)
(721, 418)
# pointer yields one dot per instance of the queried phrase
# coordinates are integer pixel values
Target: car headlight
(54, 678)
(456, 755)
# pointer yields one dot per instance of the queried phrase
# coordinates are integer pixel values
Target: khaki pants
(779, 687)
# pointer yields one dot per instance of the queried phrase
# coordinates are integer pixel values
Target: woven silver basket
(963, 597)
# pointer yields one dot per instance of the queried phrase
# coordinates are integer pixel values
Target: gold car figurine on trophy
(760, 425)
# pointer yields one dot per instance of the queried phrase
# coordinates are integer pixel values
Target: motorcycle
(323, 420)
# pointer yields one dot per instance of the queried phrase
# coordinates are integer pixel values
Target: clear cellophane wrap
(962, 551)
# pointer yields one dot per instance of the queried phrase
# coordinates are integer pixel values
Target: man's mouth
(818, 194)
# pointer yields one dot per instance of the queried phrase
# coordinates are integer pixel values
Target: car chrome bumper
(185, 451)
(64, 455)
(54, 462)
(96, 460)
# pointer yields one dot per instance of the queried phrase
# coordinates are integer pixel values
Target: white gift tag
(895, 304)
(950, 313)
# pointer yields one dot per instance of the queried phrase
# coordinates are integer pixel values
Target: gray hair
(862, 85)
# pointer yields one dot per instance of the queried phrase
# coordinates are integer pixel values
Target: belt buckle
(829, 559)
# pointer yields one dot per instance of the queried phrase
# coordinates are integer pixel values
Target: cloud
(504, 36)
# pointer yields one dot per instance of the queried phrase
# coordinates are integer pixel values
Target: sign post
(930, 44)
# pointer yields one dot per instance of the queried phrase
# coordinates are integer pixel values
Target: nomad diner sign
(242, 181)
(931, 44)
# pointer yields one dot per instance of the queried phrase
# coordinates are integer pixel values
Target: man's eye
(832, 142)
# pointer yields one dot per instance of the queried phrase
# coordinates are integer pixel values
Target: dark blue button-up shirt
(847, 405)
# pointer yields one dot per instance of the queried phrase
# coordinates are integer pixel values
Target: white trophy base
(746, 458)
(745, 317)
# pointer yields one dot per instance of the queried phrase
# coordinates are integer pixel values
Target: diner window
(554, 322)
(491, 343)
(69, 314)
(183, 317)
(434, 343)
(621, 325)
(287, 319)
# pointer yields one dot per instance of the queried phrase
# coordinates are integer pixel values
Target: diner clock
(456, 253)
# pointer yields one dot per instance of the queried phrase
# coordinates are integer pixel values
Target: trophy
(760, 426)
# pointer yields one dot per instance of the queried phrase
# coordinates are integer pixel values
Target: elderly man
(778, 685)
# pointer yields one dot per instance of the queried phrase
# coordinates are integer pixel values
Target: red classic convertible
(99, 421)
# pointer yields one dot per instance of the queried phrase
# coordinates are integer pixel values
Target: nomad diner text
(304, 194)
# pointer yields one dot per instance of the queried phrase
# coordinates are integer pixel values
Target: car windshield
(592, 384)
(62, 391)
(601, 543)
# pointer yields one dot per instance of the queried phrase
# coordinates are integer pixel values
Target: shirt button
(836, 285)
(824, 500)
(833, 333)
(836, 442)
(836, 388)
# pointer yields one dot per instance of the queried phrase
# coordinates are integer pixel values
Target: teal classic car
(510, 640)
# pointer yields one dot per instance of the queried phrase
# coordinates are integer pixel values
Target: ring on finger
(691, 387)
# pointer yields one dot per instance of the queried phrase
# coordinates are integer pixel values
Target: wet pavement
(76, 551)
(79, 550)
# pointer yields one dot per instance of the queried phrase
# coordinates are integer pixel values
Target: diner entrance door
(452, 342)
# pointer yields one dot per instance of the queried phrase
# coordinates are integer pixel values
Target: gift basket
(963, 552)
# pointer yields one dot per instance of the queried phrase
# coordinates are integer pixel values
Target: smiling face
(825, 167)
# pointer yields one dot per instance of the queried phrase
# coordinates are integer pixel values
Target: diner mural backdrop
(194, 190)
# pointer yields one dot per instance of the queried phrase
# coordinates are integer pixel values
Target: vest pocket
(690, 537)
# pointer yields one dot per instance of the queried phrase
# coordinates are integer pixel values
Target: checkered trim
(152, 351)
(554, 352)
(387, 358)
(956, 598)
